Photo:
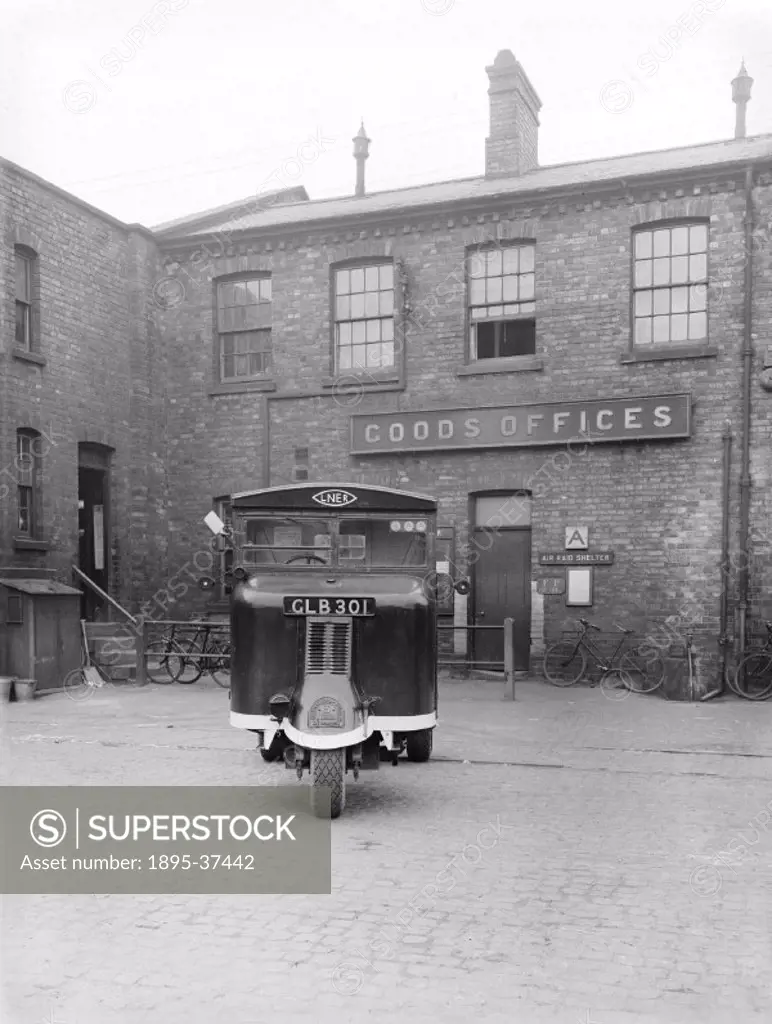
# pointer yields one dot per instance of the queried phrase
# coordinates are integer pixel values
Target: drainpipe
(745, 476)
(723, 641)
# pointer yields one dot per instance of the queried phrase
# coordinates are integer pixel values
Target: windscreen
(382, 543)
(282, 541)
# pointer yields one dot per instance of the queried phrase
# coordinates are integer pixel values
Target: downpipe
(723, 640)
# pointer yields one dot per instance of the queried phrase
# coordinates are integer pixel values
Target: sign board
(576, 558)
(577, 538)
(579, 588)
(334, 498)
(650, 417)
(551, 585)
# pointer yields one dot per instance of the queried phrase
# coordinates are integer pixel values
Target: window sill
(348, 382)
(30, 544)
(658, 355)
(513, 364)
(27, 357)
(242, 387)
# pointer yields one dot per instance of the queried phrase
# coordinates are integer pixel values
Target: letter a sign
(577, 538)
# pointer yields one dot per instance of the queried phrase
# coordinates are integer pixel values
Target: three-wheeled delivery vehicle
(333, 629)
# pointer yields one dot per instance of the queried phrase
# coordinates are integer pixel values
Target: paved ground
(621, 877)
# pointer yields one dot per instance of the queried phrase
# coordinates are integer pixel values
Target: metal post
(141, 648)
(509, 657)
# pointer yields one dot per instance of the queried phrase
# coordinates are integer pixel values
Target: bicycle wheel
(192, 667)
(220, 668)
(642, 672)
(163, 661)
(564, 663)
(753, 678)
(76, 686)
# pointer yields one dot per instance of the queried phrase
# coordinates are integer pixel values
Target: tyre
(642, 671)
(564, 663)
(163, 662)
(753, 678)
(76, 687)
(192, 667)
(220, 669)
(328, 769)
(419, 745)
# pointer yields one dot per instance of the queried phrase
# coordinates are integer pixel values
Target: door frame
(98, 457)
(473, 576)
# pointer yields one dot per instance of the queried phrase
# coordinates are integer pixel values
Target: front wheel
(642, 671)
(328, 770)
(419, 745)
(753, 678)
(564, 663)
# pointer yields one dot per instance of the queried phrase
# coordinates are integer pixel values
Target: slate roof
(571, 176)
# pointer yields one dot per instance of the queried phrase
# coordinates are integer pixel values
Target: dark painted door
(502, 589)
(92, 527)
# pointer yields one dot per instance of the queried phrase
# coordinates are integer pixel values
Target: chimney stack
(512, 146)
(741, 93)
(361, 153)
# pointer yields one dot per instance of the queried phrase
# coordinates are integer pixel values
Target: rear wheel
(419, 745)
(220, 668)
(564, 663)
(753, 679)
(163, 660)
(328, 769)
(642, 671)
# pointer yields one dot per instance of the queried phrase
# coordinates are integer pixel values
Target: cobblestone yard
(604, 860)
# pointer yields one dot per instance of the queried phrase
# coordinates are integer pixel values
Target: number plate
(358, 606)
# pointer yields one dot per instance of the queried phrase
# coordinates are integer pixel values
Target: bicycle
(205, 650)
(165, 659)
(565, 662)
(752, 679)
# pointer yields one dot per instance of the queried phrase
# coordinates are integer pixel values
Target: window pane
(643, 303)
(387, 354)
(662, 242)
(386, 276)
(387, 303)
(371, 304)
(510, 287)
(643, 331)
(476, 265)
(643, 245)
(643, 274)
(240, 292)
(358, 332)
(480, 313)
(253, 292)
(227, 366)
(698, 297)
(661, 328)
(265, 289)
(500, 511)
(486, 341)
(258, 316)
(518, 338)
(387, 329)
(344, 334)
(698, 326)
(680, 269)
(661, 300)
(358, 356)
(527, 257)
(344, 358)
(662, 271)
(698, 238)
(357, 305)
(526, 286)
(476, 292)
(373, 357)
(373, 330)
(510, 260)
(342, 282)
(494, 289)
(678, 327)
(22, 325)
(698, 267)
(22, 278)
(679, 298)
(344, 307)
(371, 279)
(513, 310)
(680, 241)
(494, 263)
(495, 311)
(357, 280)
(225, 295)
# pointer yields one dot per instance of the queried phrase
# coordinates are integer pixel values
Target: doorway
(501, 537)
(93, 527)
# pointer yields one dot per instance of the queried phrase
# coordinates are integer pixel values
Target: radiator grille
(328, 646)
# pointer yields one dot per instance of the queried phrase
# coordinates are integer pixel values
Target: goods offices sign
(650, 417)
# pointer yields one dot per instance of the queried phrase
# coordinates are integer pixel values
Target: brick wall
(93, 282)
(655, 504)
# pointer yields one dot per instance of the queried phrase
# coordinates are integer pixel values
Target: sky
(152, 110)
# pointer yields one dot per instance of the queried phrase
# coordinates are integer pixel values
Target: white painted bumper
(385, 724)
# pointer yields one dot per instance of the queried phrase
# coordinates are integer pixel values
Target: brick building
(563, 355)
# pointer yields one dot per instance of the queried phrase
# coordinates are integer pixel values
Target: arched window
(25, 302)
(28, 456)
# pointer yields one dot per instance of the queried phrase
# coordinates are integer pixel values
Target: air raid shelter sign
(524, 426)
